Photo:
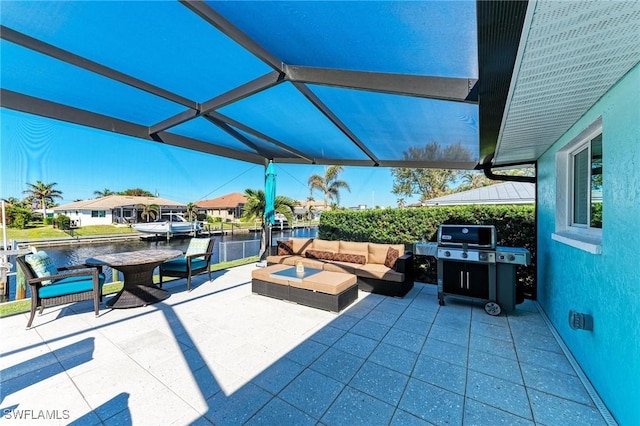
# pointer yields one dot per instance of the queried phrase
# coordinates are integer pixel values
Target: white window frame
(581, 236)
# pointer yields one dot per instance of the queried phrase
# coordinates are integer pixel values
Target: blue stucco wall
(607, 285)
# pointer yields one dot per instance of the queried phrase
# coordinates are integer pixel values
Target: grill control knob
(482, 256)
(465, 255)
(447, 253)
(511, 258)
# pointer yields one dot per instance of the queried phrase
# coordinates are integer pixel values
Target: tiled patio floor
(221, 355)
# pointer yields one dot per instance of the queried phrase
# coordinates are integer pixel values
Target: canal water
(226, 248)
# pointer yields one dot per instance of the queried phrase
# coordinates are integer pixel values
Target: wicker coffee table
(328, 290)
(137, 268)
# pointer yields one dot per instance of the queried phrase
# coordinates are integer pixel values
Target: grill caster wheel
(441, 302)
(492, 308)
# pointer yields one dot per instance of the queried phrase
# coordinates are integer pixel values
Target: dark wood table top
(131, 258)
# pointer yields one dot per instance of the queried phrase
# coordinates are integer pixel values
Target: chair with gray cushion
(196, 260)
(52, 286)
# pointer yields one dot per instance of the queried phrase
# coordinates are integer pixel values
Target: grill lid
(471, 236)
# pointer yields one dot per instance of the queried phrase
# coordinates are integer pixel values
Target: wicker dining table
(137, 268)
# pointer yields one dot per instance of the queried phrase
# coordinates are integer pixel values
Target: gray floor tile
(385, 318)
(490, 330)
(477, 413)
(449, 335)
(552, 410)
(453, 321)
(357, 311)
(353, 407)
(566, 386)
(338, 365)
(412, 325)
(447, 352)
(312, 392)
(237, 407)
(328, 335)
(440, 373)
(404, 339)
(549, 360)
(394, 357)
(370, 329)
(370, 301)
(306, 352)
(537, 341)
(356, 345)
(380, 382)
(278, 412)
(344, 322)
(478, 314)
(491, 346)
(402, 418)
(393, 306)
(498, 393)
(492, 365)
(423, 315)
(278, 375)
(432, 403)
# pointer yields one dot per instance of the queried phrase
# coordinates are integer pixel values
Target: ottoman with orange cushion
(328, 290)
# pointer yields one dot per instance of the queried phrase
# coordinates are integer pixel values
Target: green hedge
(515, 227)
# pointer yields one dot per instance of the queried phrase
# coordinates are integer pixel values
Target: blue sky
(82, 160)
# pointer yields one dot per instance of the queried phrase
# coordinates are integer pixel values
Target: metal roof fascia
(458, 165)
(500, 25)
(84, 63)
(443, 88)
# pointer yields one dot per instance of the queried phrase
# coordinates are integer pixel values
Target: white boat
(168, 223)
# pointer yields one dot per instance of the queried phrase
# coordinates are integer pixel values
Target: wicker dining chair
(63, 285)
(196, 260)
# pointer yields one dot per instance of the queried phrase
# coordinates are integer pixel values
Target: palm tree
(148, 211)
(104, 193)
(256, 204)
(43, 193)
(329, 184)
(138, 192)
(192, 211)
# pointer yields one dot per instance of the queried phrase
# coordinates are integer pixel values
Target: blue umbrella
(269, 207)
(270, 194)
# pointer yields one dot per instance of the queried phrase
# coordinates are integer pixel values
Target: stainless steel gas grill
(470, 265)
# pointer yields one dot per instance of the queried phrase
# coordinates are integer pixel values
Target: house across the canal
(113, 209)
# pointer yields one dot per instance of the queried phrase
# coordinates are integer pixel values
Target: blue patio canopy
(346, 83)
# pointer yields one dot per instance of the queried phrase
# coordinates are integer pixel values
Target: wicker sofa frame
(403, 265)
(301, 296)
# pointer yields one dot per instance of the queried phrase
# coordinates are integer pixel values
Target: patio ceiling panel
(437, 38)
(42, 76)
(200, 128)
(283, 113)
(351, 83)
(392, 125)
(162, 43)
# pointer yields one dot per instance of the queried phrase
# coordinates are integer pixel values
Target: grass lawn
(24, 305)
(47, 231)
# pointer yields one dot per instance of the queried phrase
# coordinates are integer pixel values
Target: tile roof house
(229, 207)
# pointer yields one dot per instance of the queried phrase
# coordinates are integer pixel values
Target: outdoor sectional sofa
(380, 268)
